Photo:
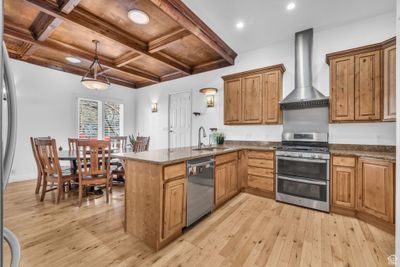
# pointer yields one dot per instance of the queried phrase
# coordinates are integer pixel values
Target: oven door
(304, 188)
(300, 167)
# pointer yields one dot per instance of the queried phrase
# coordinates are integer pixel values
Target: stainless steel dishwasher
(200, 193)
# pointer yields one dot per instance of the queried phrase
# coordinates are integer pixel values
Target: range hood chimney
(304, 94)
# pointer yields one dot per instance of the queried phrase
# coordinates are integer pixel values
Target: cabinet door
(272, 89)
(343, 186)
(174, 207)
(252, 99)
(221, 182)
(368, 86)
(389, 83)
(342, 89)
(232, 178)
(375, 188)
(232, 101)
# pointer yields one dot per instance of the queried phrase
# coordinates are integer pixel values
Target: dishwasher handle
(201, 164)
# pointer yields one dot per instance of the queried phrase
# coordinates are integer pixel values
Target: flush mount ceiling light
(93, 79)
(240, 25)
(291, 6)
(73, 60)
(138, 16)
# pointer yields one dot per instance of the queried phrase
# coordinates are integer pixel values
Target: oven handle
(303, 160)
(301, 180)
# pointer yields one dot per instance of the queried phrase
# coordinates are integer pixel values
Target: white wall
(359, 33)
(47, 106)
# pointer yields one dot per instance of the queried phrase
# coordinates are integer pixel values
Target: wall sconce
(209, 92)
(154, 107)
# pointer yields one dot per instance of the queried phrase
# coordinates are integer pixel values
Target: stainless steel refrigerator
(8, 130)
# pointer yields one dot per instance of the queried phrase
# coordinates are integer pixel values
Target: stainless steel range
(302, 170)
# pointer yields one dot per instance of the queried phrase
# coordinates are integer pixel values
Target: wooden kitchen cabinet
(389, 81)
(232, 101)
(272, 94)
(367, 88)
(375, 188)
(226, 178)
(342, 89)
(252, 97)
(261, 173)
(343, 182)
(174, 207)
(362, 83)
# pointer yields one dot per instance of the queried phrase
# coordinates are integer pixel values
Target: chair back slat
(94, 156)
(48, 156)
(118, 142)
(72, 143)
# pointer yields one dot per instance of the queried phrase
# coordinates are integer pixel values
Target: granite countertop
(378, 152)
(164, 157)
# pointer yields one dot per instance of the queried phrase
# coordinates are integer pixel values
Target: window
(99, 119)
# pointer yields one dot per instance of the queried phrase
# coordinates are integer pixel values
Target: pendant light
(95, 77)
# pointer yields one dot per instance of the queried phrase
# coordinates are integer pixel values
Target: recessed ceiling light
(240, 25)
(73, 60)
(290, 6)
(138, 16)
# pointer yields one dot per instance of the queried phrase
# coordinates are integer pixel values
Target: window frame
(101, 115)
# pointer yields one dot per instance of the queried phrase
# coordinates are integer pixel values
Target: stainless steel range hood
(304, 95)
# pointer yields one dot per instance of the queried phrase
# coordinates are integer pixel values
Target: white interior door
(180, 120)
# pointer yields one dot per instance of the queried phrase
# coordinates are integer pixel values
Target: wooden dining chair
(72, 143)
(118, 142)
(145, 143)
(94, 169)
(39, 177)
(51, 169)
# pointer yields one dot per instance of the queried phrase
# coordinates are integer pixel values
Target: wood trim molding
(126, 58)
(220, 63)
(17, 33)
(179, 12)
(92, 22)
(168, 39)
(279, 67)
(358, 50)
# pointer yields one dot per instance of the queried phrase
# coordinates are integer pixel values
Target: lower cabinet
(364, 187)
(375, 188)
(261, 172)
(174, 207)
(226, 178)
(344, 182)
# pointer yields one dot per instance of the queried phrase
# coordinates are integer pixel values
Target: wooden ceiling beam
(181, 14)
(18, 33)
(167, 40)
(216, 64)
(85, 19)
(67, 6)
(126, 58)
(60, 66)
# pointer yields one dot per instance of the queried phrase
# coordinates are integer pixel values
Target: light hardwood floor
(247, 231)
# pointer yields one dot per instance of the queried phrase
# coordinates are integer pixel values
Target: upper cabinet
(389, 81)
(253, 97)
(362, 83)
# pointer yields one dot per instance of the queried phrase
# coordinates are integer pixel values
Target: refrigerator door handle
(15, 248)
(11, 96)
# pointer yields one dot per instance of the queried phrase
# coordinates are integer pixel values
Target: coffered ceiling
(175, 43)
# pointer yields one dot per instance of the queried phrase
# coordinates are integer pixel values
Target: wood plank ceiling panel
(174, 44)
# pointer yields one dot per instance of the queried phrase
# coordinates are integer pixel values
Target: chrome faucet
(199, 144)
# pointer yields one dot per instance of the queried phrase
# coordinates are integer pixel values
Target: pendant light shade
(95, 77)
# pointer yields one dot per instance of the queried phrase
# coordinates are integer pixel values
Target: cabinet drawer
(260, 172)
(261, 163)
(262, 183)
(225, 158)
(261, 154)
(344, 161)
(175, 171)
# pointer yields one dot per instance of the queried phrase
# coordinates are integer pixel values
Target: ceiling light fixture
(240, 25)
(138, 16)
(73, 60)
(291, 6)
(93, 79)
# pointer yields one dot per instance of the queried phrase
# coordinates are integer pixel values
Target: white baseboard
(22, 177)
